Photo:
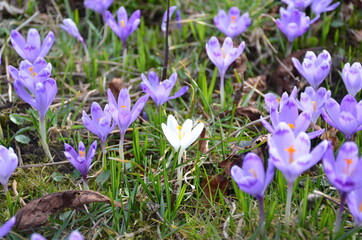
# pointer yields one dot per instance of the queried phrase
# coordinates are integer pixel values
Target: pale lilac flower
(5, 229)
(321, 6)
(291, 153)
(344, 172)
(31, 49)
(81, 160)
(253, 179)
(222, 57)
(299, 4)
(37, 236)
(99, 6)
(177, 18)
(232, 24)
(160, 91)
(75, 235)
(125, 26)
(293, 23)
(354, 202)
(352, 77)
(101, 123)
(8, 164)
(313, 101)
(29, 74)
(287, 111)
(314, 69)
(70, 27)
(346, 117)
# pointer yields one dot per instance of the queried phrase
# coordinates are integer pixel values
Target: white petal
(171, 137)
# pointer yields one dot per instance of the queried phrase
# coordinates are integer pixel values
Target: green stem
(43, 137)
(288, 205)
(262, 214)
(222, 90)
(5, 188)
(289, 49)
(121, 153)
(337, 224)
(86, 51)
(179, 171)
(104, 152)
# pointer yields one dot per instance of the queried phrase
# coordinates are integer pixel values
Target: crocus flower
(344, 172)
(125, 26)
(99, 6)
(222, 57)
(177, 18)
(37, 236)
(70, 27)
(354, 202)
(122, 112)
(29, 74)
(75, 235)
(314, 69)
(31, 48)
(321, 6)
(346, 117)
(101, 123)
(293, 23)
(292, 155)
(5, 229)
(81, 161)
(232, 24)
(313, 101)
(299, 4)
(287, 111)
(352, 77)
(8, 164)
(160, 91)
(180, 137)
(252, 178)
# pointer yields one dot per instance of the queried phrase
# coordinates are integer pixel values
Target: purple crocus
(293, 23)
(125, 26)
(99, 6)
(5, 229)
(222, 57)
(314, 69)
(122, 112)
(287, 111)
(346, 117)
(8, 164)
(292, 155)
(31, 49)
(81, 161)
(101, 123)
(299, 4)
(75, 235)
(70, 27)
(177, 18)
(313, 101)
(232, 24)
(344, 172)
(321, 6)
(160, 91)
(252, 178)
(37, 236)
(29, 74)
(354, 202)
(352, 77)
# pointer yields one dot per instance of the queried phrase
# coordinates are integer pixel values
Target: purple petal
(47, 44)
(4, 229)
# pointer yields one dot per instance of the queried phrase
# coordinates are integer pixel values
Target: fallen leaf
(37, 212)
(204, 147)
(211, 184)
(258, 84)
(116, 84)
(249, 112)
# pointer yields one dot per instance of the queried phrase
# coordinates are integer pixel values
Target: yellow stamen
(233, 18)
(82, 153)
(360, 207)
(122, 23)
(179, 127)
(223, 53)
(123, 106)
(278, 100)
(349, 162)
(252, 171)
(291, 125)
(32, 72)
(290, 150)
(99, 119)
(314, 106)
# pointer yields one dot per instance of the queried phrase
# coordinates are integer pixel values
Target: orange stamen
(252, 171)
(32, 73)
(82, 153)
(233, 18)
(291, 125)
(122, 23)
(360, 207)
(314, 106)
(349, 162)
(290, 150)
(123, 106)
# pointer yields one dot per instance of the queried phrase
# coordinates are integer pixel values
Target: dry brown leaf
(116, 84)
(37, 212)
(204, 147)
(249, 112)
(211, 184)
(258, 82)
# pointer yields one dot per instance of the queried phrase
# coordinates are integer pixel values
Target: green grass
(147, 188)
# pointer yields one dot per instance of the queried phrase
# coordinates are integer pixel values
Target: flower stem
(85, 183)
(86, 51)
(289, 49)
(222, 90)
(121, 153)
(261, 212)
(179, 171)
(124, 54)
(337, 223)
(43, 137)
(5, 188)
(104, 152)
(288, 205)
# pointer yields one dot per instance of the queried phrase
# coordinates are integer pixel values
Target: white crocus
(180, 137)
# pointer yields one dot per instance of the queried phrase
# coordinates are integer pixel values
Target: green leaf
(103, 177)
(57, 176)
(17, 119)
(22, 139)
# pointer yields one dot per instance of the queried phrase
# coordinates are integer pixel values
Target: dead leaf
(37, 212)
(116, 84)
(249, 112)
(204, 144)
(211, 184)
(240, 64)
(258, 84)
(330, 134)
